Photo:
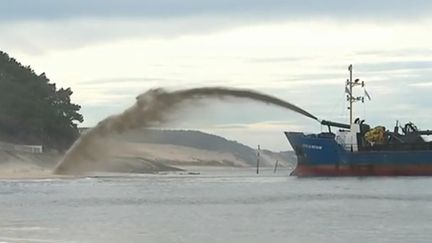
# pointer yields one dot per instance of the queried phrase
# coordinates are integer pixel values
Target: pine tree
(33, 110)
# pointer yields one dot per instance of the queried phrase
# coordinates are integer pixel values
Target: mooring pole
(258, 160)
(275, 167)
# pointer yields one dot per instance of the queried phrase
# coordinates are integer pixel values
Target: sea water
(218, 205)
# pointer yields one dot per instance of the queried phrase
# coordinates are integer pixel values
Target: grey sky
(72, 24)
(19, 10)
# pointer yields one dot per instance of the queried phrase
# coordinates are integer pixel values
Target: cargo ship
(356, 149)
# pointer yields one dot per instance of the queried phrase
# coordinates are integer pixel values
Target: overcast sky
(109, 51)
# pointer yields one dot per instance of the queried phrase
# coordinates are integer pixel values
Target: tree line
(33, 110)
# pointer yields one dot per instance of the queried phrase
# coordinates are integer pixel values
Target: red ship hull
(367, 170)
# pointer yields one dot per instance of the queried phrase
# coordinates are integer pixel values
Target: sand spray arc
(151, 109)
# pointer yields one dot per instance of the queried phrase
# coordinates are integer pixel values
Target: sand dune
(27, 165)
(178, 155)
(131, 153)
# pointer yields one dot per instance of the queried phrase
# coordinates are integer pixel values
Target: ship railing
(350, 146)
(400, 146)
(391, 147)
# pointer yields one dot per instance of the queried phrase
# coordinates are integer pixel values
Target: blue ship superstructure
(356, 149)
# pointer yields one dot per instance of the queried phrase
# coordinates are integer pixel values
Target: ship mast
(349, 90)
(350, 94)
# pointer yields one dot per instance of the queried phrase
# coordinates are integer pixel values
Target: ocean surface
(218, 205)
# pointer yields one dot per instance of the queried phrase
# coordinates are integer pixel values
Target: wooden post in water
(275, 167)
(258, 160)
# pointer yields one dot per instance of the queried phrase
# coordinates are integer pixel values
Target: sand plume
(150, 109)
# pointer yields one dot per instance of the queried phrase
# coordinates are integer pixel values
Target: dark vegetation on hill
(33, 110)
